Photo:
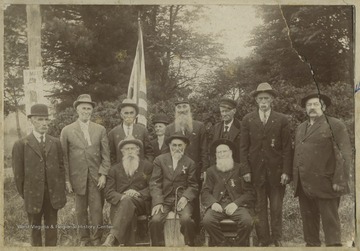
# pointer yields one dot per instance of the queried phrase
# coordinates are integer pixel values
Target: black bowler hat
(223, 141)
(160, 118)
(228, 103)
(316, 94)
(177, 135)
(38, 110)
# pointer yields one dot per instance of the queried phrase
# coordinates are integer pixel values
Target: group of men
(245, 166)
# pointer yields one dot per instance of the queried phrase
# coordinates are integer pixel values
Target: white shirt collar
(84, 125)
(261, 113)
(229, 125)
(38, 135)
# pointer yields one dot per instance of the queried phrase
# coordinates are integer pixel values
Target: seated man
(173, 170)
(127, 190)
(226, 195)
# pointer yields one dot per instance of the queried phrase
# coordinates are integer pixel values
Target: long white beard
(225, 164)
(177, 155)
(130, 164)
(183, 122)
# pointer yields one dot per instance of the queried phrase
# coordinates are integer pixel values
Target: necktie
(225, 134)
(226, 128)
(264, 119)
(42, 144)
(85, 130)
(128, 131)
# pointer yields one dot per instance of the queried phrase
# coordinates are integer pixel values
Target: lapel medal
(184, 169)
(232, 183)
(273, 143)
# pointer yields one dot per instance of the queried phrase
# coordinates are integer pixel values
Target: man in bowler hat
(39, 175)
(171, 171)
(87, 163)
(160, 121)
(266, 161)
(322, 160)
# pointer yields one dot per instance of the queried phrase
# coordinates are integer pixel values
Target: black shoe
(277, 243)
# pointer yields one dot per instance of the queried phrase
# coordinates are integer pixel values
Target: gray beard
(224, 165)
(177, 155)
(130, 164)
(183, 122)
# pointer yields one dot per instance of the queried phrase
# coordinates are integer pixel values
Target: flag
(137, 83)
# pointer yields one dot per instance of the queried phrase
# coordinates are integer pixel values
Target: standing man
(127, 190)
(128, 112)
(39, 174)
(323, 156)
(228, 128)
(266, 161)
(160, 121)
(171, 171)
(226, 195)
(87, 162)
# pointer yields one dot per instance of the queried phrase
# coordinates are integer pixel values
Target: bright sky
(234, 24)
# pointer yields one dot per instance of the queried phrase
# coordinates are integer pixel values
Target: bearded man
(127, 190)
(197, 148)
(226, 195)
(171, 171)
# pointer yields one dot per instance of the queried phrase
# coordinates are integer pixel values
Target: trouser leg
(261, 218)
(211, 223)
(156, 226)
(96, 203)
(50, 221)
(81, 205)
(35, 228)
(244, 220)
(276, 196)
(311, 219)
(328, 209)
(187, 224)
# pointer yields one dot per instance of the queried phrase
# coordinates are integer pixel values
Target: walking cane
(175, 209)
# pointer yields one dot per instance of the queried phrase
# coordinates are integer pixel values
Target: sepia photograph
(179, 125)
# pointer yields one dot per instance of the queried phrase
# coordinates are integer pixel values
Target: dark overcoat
(165, 180)
(240, 192)
(233, 135)
(323, 156)
(265, 151)
(140, 132)
(29, 172)
(157, 151)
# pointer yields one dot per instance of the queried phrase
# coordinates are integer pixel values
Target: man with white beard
(171, 171)
(127, 190)
(226, 195)
(197, 148)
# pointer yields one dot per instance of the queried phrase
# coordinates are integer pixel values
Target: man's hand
(247, 177)
(217, 207)
(132, 193)
(230, 209)
(284, 179)
(338, 188)
(68, 187)
(156, 209)
(181, 203)
(101, 182)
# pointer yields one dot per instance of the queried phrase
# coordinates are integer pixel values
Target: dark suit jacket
(81, 159)
(240, 192)
(117, 134)
(323, 156)
(164, 180)
(155, 145)
(197, 149)
(233, 135)
(265, 148)
(29, 172)
(117, 182)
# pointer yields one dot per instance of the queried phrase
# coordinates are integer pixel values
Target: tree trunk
(18, 129)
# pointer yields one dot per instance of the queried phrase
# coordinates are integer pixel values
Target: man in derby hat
(87, 162)
(197, 148)
(226, 195)
(128, 112)
(228, 128)
(266, 160)
(127, 190)
(39, 175)
(160, 121)
(171, 171)
(322, 160)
